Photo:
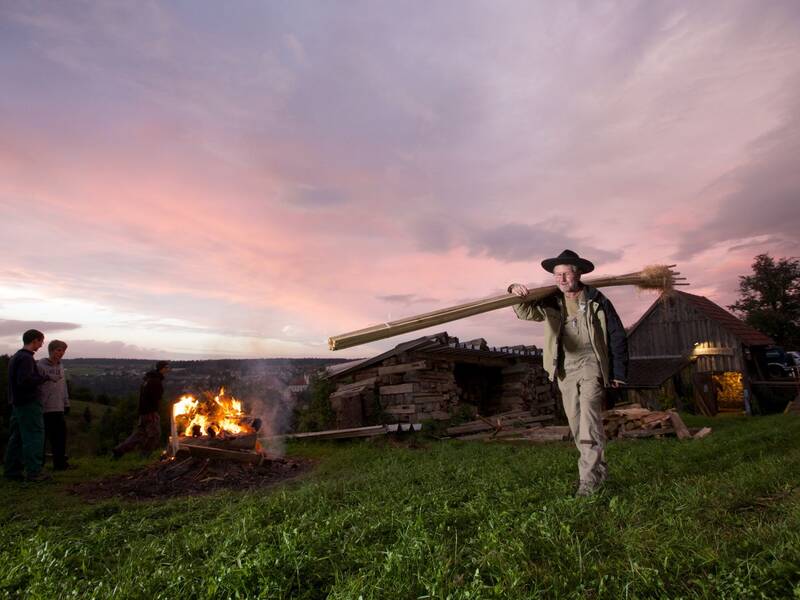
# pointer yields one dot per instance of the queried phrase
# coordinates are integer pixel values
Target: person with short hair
(147, 434)
(54, 398)
(585, 350)
(23, 459)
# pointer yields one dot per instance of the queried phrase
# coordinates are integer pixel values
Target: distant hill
(118, 377)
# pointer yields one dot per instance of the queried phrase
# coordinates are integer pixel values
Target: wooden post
(173, 432)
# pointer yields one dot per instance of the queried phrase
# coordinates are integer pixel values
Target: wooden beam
(414, 366)
(401, 388)
(220, 454)
(246, 441)
(701, 351)
(680, 428)
(645, 433)
(702, 433)
(338, 433)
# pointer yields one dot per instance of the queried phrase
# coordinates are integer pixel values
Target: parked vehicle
(780, 363)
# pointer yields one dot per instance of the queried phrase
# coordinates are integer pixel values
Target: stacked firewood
(629, 422)
(637, 422)
(404, 392)
(527, 388)
(512, 424)
(428, 391)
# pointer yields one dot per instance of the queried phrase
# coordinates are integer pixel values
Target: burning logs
(659, 277)
(212, 416)
(211, 452)
(212, 426)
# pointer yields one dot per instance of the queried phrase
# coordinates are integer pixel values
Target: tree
(770, 299)
(5, 409)
(4, 360)
(316, 413)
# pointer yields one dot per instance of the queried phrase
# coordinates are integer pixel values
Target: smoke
(267, 397)
(275, 410)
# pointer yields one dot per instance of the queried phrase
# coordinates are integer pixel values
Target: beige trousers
(582, 393)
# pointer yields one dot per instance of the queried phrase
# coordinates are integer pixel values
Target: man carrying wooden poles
(585, 350)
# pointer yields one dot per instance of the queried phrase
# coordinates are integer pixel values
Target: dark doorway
(480, 386)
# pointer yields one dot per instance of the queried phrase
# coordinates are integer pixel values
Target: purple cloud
(11, 327)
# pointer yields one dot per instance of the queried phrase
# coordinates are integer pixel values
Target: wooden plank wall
(673, 327)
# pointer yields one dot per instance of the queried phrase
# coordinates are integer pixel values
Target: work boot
(586, 488)
(39, 477)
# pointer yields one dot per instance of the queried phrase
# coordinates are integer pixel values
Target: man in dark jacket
(24, 453)
(586, 350)
(147, 434)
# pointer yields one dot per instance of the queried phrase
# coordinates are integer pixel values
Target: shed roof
(653, 372)
(731, 323)
(440, 343)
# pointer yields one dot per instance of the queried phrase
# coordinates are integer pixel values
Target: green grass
(712, 518)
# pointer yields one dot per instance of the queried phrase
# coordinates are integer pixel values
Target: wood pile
(403, 392)
(625, 423)
(501, 426)
(426, 389)
(527, 388)
(637, 422)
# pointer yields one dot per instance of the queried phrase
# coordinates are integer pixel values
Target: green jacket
(609, 340)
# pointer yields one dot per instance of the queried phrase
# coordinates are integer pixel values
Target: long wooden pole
(656, 277)
(173, 432)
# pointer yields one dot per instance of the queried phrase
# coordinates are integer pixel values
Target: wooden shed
(437, 377)
(722, 350)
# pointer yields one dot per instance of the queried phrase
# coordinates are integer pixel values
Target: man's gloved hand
(66, 410)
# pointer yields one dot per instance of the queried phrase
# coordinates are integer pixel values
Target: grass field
(711, 518)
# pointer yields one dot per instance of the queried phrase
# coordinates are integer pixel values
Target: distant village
(101, 379)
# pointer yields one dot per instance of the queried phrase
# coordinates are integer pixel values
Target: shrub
(317, 413)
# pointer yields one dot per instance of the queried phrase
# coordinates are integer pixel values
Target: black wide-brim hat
(568, 257)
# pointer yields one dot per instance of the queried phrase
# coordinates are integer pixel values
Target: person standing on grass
(23, 459)
(54, 398)
(147, 434)
(585, 350)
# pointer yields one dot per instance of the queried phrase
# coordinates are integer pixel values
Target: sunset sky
(203, 179)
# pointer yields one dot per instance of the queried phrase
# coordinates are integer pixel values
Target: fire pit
(214, 426)
(213, 445)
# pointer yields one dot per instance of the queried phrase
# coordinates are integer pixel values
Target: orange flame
(215, 415)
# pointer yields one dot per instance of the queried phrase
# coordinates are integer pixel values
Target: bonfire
(216, 420)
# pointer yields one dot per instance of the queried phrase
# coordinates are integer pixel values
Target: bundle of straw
(654, 277)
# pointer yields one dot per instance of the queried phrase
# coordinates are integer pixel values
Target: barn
(686, 347)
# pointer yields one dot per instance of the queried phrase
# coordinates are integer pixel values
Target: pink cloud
(294, 180)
